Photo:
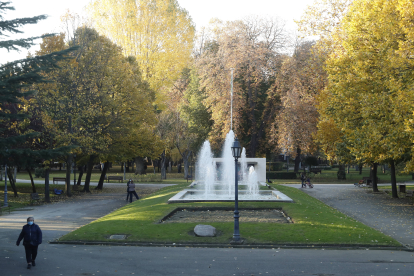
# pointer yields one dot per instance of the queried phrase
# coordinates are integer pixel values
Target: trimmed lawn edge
(257, 246)
(313, 221)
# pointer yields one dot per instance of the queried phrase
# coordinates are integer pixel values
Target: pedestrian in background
(131, 190)
(32, 237)
(303, 178)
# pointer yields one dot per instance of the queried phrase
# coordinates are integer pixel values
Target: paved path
(393, 217)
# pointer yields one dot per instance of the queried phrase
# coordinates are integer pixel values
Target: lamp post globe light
(236, 151)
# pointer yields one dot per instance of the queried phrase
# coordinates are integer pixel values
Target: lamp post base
(234, 242)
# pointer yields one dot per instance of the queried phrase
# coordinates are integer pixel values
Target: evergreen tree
(16, 82)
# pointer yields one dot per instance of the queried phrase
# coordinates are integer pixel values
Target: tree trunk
(139, 161)
(163, 171)
(80, 169)
(393, 180)
(102, 178)
(68, 168)
(186, 163)
(341, 172)
(297, 160)
(12, 182)
(31, 180)
(374, 177)
(89, 173)
(360, 168)
(47, 195)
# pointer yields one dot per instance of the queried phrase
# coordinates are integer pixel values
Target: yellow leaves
(159, 34)
(368, 96)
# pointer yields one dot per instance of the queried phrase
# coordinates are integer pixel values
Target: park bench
(120, 178)
(57, 179)
(316, 171)
(401, 187)
(34, 197)
(409, 193)
(189, 177)
(368, 180)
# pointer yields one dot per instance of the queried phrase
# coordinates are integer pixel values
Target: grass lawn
(116, 170)
(330, 177)
(314, 223)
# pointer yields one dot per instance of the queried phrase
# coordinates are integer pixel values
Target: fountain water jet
(215, 178)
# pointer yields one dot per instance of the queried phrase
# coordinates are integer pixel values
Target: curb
(250, 246)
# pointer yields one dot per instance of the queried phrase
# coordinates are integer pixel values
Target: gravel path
(262, 216)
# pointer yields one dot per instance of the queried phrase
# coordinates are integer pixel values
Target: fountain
(215, 178)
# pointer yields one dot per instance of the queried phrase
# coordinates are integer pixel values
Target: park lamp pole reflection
(236, 151)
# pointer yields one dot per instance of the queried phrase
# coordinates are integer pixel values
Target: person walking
(131, 190)
(32, 237)
(303, 178)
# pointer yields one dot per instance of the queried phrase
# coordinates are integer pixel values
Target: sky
(201, 11)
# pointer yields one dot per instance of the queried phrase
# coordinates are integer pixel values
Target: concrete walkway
(391, 216)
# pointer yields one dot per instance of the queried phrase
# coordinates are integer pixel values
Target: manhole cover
(117, 237)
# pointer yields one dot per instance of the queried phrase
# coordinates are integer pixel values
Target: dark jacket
(131, 187)
(31, 234)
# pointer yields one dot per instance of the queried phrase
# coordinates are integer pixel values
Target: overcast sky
(201, 11)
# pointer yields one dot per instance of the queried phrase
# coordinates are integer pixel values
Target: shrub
(39, 172)
(310, 161)
(281, 175)
(275, 166)
(341, 174)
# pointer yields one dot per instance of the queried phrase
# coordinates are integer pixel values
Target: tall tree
(194, 112)
(98, 102)
(16, 83)
(369, 84)
(251, 48)
(298, 82)
(159, 34)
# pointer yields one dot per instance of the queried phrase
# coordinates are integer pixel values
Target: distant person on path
(32, 237)
(131, 190)
(303, 178)
(128, 190)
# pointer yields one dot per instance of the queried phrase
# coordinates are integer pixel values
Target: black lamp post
(5, 186)
(236, 151)
(5, 183)
(74, 169)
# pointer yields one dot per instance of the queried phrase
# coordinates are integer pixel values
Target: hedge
(280, 175)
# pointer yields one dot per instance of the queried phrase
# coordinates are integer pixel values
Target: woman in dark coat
(32, 237)
(131, 190)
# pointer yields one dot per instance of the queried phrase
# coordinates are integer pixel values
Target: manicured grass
(150, 177)
(330, 177)
(314, 223)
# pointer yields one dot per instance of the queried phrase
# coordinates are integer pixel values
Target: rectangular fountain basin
(193, 195)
